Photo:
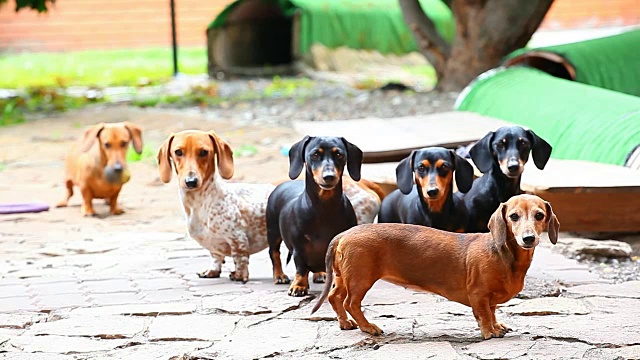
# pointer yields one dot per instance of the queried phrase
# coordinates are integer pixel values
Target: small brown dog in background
(98, 164)
(477, 270)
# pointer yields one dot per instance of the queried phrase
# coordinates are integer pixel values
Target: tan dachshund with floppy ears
(479, 270)
(97, 165)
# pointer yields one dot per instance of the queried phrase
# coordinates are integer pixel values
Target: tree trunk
(486, 31)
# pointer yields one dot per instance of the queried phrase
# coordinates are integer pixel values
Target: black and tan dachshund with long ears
(500, 156)
(425, 190)
(307, 215)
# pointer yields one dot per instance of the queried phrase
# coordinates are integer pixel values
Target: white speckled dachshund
(228, 219)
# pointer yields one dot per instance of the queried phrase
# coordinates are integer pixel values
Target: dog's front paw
(347, 324)
(281, 279)
(117, 211)
(298, 290)
(209, 273)
(502, 327)
(492, 333)
(319, 277)
(371, 329)
(90, 214)
(239, 276)
(62, 203)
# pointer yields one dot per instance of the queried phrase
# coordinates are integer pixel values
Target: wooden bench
(384, 140)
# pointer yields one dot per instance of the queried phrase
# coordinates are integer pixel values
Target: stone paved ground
(125, 287)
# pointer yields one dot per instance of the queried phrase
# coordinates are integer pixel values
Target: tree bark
(486, 31)
(430, 44)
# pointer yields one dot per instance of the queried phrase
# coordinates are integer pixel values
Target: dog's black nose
(513, 166)
(329, 178)
(191, 182)
(433, 192)
(529, 239)
(117, 167)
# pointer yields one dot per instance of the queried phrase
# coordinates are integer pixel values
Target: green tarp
(358, 24)
(611, 62)
(581, 122)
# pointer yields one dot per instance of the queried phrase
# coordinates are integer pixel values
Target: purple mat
(23, 208)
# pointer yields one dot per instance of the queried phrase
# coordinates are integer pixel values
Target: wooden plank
(586, 196)
(392, 139)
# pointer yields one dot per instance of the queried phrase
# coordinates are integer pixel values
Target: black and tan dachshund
(307, 215)
(430, 202)
(500, 156)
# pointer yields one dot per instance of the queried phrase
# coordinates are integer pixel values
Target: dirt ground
(125, 287)
(32, 156)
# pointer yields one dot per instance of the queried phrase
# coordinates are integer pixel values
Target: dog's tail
(373, 187)
(331, 255)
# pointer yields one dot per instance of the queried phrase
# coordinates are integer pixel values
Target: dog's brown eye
(178, 152)
(514, 217)
(500, 145)
(107, 145)
(539, 216)
(339, 156)
(444, 167)
(315, 156)
(203, 153)
(123, 144)
(422, 168)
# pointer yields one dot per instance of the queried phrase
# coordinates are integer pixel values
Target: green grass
(147, 153)
(97, 68)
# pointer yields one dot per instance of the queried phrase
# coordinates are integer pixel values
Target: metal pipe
(174, 39)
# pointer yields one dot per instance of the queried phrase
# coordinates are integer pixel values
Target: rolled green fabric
(581, 122)
(611, 62)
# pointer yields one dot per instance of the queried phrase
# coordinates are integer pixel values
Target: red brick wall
(105, 24)
(576, 14)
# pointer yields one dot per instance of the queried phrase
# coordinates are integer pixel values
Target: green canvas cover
(581, 122)
(358, 24)
(611, 62)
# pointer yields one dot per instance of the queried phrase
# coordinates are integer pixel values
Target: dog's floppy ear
(90, 136)
(540, 150)
(482, 154)
(498, 226)
(164, 159)
(296, 157)
(464, 172)
(354, 159)
(224, 156)
(404, 174)
(553, 225)
(136, 136)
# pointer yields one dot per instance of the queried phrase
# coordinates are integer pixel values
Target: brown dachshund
(477, 270)
(98, 166)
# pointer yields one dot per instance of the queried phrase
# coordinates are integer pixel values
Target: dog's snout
(191, 181)
(513, 165)
(329, 175)
(118, 167)
(529, 239)
(433, 192)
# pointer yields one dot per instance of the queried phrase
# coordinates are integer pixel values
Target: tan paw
(239, 276)
(371, 329)
(347, 324)
(117, 211)
(297, 290)
(492, 333)
(502, 327)
(281, 279)
(209, 273)
(320, 277)
(62, 203)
